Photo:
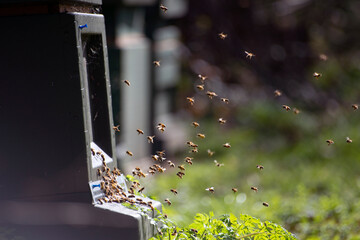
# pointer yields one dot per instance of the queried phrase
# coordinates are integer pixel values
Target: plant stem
(251, 234)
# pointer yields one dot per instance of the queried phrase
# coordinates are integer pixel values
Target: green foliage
(226, 227)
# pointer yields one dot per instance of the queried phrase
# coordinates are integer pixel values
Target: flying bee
(174, 191)
(137, 169)
(116, 128)
(330, 141)
(181, 167)
(127, 82)
(141, 190)
(221, 121)
(152, 172)
(180, 174)
(323, 57)
(150, 139)
(191, 144)
(195, 124)
(161, 153)
(296, 111)
(261, 167)
(222, 35)
(218, 164)
(163, 8)
(210, 153)
(190, 100)
(265, 204)
(210, 189)
(249, 55)
(200, 87)
(129, 153)
(225, 100)
(317, 75)
(348, 140)
(255, 189)
(202, 78)
(194, 150)
(156, 63)
(161, 169)
(201, 135)
(155, 157)
(286, 107)
(140, 131)
(355, 106)
(168, 201)
(277, 93)
(227, 145)
(92, 152)
(234, 190)
(189, 161)
(188, 158)
(171, 163)
(211, 94)
(162, 125)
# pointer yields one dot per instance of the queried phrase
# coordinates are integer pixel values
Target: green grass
(312, 188)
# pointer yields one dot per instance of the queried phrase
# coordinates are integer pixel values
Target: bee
(129, 153)
(181, 167)
(201, 135)
(222, 35)
(211, 94)
(150, 139)
(221, 121)
(261, 167)
(102, 185)
(265, 204)
(329, 142)
(131, 196)
(171, 163)
(255, 189)
(140, 131)
(180, 174)
(225, 100)
(355, 106)
(227, 145)
(168, 201)
(161, 153)
(174, 191)
(249, 55)
(161, 169)
(194, 150)
(190, 100)
(156, 63)
(348, 140)
(116, 128)
(218, 164)
(210, 153)
(277, 93)
(174, 232)
(163, 8)
(296, 111)
(141, 190)
(92, 152)
(137, 169)
(161, 127)
(195, 124)
(200, 87)
(323, 57)
(189, 161)
(286, 107)
(191, 144)
(210, 189)
(155, 157)
(193, 230)
(100, 201)
(202, 78)
(127, 82)
(152, 172)
(317, 75)
(234, 190)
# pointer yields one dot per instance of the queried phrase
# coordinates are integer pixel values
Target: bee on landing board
(249, 55)
(127, 82)
(222, 35)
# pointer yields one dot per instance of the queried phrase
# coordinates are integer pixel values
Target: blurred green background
(312, 188)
